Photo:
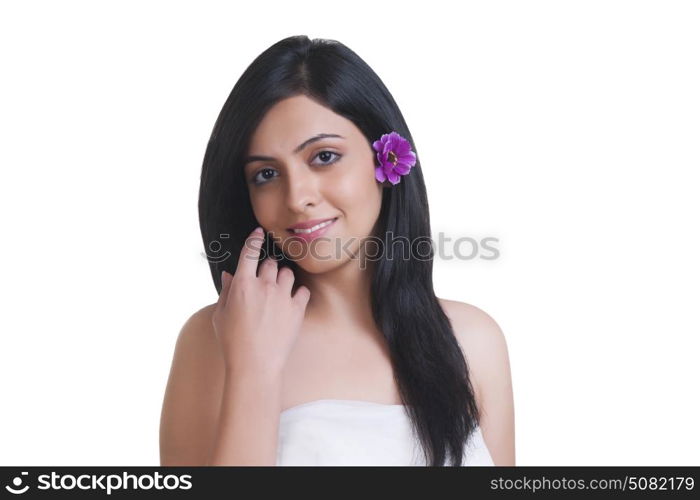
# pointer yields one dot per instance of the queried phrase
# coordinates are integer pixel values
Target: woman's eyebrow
(301, 146)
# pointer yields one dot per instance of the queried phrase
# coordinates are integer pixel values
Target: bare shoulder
(193, 393)
(475, 330)
(481, 340)
(199, 328)
(196, 343)
(485, 348)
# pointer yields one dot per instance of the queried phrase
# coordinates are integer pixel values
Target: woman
(325, 348)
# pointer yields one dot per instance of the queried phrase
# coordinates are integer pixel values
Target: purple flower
(395, 157)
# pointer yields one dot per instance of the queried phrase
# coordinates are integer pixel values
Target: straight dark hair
(430, 368)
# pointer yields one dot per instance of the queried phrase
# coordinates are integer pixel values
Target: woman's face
(325, 178)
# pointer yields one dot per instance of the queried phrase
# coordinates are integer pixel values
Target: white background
(568, 130)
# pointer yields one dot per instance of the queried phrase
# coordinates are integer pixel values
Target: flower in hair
(395, 157)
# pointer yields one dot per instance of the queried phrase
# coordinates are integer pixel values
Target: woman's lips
(315, 234)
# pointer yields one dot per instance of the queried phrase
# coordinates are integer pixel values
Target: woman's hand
(256, 319)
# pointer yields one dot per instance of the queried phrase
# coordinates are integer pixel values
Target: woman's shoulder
(470, 322)
(484, 347)
(193, 393)
(198, 328)
(197, 354)
(198, 336)
(481, 338)
(203, 315)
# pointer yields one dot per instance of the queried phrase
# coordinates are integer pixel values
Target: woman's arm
(209, 416)
(496, 393)
(486, 352)
(248, 426)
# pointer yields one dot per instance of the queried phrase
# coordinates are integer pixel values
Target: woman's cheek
(354, 185)
(263, 208)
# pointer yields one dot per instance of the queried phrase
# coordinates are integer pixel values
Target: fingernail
(258, 229)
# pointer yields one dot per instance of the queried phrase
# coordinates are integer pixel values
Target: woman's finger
(268, 271)
(225, 286)
(285, 278)
(250, 254)
(301, 297)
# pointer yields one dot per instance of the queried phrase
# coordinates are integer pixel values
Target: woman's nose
(302, 189)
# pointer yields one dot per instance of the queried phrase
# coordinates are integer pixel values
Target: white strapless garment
(353, 432)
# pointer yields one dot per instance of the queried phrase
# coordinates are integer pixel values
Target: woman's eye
(263, 172)
(326, 157)
(323, 155)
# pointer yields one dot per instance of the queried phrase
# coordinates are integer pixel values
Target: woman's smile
(313, 232)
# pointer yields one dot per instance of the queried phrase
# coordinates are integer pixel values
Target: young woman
(324, 349)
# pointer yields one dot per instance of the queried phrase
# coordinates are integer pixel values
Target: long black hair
(430, 368)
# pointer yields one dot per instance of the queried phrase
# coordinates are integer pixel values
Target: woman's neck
(342, 294)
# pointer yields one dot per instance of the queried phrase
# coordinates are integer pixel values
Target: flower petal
(396, 144)
(379, 174)
(402, 169)
(409, 158)
(403, 147)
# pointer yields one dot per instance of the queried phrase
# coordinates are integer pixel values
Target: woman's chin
(318, 265)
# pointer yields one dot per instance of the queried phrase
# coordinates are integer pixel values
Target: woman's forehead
(291, 122)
